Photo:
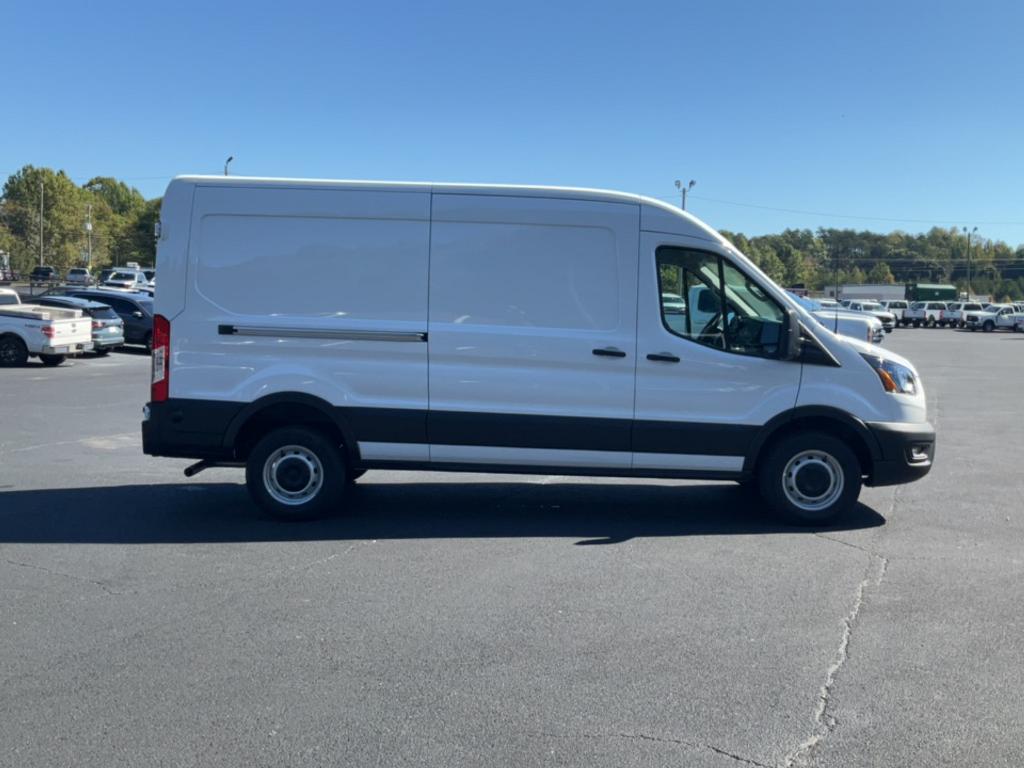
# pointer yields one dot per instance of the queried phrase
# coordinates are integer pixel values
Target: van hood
(873, 349)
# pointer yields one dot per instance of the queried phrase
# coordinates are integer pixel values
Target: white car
(402, 353)
(131, 279)
(79, 276)
(49, 333)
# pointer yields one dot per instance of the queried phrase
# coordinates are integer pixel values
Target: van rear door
(532, 331)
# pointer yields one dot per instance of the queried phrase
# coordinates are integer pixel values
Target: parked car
(995, 317)
(896, 306)
(124, 278)
(78, 276)
(31, 330)
(856, 325)
(135, 309)
(573, 365)
(953, 316)
(924, 313)
(888, 319)
(43, 275)
(107, 326)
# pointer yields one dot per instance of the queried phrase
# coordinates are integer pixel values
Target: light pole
(227, 163)
(969, 259)
(40, 222)
(88, 231)
(685, 189)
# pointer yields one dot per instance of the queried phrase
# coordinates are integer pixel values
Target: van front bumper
(907, 452)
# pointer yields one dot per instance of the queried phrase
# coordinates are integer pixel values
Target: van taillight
(161, 358)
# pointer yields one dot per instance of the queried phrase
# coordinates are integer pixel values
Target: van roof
(657, 215)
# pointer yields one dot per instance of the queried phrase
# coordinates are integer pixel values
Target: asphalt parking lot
(486, 620)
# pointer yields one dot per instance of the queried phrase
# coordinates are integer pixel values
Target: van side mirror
(793, 345)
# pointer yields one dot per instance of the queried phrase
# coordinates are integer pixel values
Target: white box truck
(312, 330)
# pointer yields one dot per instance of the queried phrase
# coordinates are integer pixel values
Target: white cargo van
(311, 330)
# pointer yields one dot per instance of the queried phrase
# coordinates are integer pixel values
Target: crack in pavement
(102, 585)
(659, 739)
(825, 721)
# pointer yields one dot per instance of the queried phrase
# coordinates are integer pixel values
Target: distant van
(312, 330)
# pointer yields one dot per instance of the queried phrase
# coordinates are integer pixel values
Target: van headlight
(895, 378)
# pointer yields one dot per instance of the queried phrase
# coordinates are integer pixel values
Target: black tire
(101, 352)
(826, 457)
(52, 360)
(13, 352)
(988, 327)
(309, 467)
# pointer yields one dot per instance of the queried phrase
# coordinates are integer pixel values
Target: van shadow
(589, 513)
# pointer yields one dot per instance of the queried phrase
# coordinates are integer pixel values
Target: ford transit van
(311, 330)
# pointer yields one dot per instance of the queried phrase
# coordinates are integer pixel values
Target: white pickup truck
(993, 317)
(49, 333)
(857, 325)
(926, 313)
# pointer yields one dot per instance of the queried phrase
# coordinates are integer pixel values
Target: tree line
(122, 221)
(827, 256)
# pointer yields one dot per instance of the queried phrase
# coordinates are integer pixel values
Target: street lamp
(684, 190)
(969, 259)
(227, 163)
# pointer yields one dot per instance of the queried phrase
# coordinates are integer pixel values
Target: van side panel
(319, 291)
(522, 293)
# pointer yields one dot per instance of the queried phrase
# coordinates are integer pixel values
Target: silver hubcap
(293, 475)
(812, 481)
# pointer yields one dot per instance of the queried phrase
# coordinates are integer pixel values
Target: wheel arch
(287, 409)
(833, 421)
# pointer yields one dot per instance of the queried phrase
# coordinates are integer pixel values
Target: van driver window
(695, 287)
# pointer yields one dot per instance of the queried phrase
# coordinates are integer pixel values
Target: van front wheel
(810, 478)
(296, 473)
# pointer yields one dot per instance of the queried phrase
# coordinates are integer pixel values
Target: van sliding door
(532, 331)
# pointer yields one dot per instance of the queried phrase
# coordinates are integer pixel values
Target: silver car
(78, 276)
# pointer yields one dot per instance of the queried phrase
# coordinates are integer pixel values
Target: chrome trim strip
(319, 333)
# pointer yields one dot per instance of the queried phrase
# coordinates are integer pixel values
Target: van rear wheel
(295, 473)
(810, 478)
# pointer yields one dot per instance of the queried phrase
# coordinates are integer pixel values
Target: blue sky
(907, 114)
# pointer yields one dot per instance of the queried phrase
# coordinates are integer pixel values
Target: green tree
(881, 273)
(63, 218)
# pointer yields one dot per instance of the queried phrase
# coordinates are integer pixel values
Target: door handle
(663, 357)
(609, 352)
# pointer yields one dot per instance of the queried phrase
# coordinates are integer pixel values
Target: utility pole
(88, 230)
(969, 259)
(227, 163)
(685, 189)
(40, 222)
